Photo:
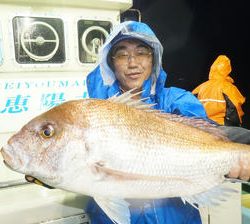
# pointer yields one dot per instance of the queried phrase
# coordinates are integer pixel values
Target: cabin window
(91, 36)
(38, 40)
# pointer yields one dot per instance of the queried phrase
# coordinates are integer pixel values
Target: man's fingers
(245, 167)
(241, 170)
(235, 171)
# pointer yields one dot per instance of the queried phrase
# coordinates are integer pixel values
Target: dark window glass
(91, 36)
(38, 40)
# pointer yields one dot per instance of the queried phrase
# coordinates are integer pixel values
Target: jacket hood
(128, 30)
(221, 69)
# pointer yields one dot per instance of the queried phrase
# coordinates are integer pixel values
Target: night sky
(193, 33)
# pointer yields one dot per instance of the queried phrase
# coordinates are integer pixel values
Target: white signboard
(22, 99)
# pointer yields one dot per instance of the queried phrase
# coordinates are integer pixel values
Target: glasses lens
(139, 54)
(121, 56)
(142, 54)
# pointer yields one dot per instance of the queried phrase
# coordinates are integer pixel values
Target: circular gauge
(93, 45)
(40, 41)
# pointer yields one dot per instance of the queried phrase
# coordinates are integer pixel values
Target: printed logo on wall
(25, 98)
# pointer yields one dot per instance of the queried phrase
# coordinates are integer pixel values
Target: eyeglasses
(122, 56)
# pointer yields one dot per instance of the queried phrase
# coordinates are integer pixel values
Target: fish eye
(47, 131)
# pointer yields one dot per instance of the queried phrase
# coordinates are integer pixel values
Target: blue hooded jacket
(101, 83)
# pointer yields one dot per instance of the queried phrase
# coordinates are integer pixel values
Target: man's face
(132, 61)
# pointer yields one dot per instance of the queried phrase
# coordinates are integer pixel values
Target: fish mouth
(5, 155)
(7, 161)
(34, 180)
(7, 165)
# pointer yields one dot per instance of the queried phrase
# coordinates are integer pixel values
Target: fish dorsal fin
(115, 208)
(127, 98)
(198, 123)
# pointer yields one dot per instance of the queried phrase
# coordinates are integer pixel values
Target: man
(220, 97)
(131, 59)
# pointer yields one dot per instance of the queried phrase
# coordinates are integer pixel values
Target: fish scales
(108, 149)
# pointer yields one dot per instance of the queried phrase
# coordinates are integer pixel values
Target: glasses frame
(116, 58)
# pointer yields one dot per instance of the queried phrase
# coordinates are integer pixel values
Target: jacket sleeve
(179, 101)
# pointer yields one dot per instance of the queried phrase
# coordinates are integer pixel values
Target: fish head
(47, 146)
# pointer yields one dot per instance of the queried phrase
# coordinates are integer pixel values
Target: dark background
(194, 32)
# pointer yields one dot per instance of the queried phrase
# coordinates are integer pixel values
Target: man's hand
(242, 169)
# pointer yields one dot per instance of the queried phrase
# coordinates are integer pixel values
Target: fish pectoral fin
(106, 172)
(116, 174)
(100, 168)
(115, 208)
